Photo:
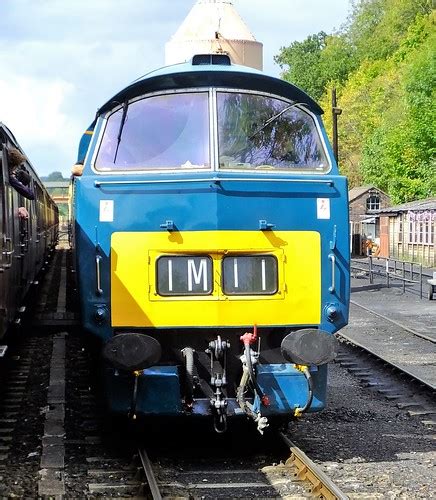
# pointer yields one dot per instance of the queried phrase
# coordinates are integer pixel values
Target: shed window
(421, 231)
(373, 202)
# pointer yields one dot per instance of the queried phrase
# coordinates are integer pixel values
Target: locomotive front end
(211, 240)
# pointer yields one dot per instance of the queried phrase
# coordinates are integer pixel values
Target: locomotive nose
(309, 347)
(132, 351)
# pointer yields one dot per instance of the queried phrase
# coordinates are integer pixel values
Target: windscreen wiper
(120, 131)
(273, 118)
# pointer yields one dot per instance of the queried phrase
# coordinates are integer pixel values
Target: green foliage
(377, 27)
(54, 177)
(302, 60)
(404, 143)
(383, 65)
(337, 60)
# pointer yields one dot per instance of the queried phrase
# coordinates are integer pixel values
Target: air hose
(262, 422)
(263, 398)
(188, 353)
(305, 371)
(132, 412)
(247, 339)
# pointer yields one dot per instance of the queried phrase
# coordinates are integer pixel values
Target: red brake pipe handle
(249, 338)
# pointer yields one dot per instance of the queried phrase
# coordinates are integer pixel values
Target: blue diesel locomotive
(211, 244)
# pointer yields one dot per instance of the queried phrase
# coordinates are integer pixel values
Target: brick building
(364, 205)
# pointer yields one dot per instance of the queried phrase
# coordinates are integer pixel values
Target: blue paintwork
(84, 143)
(287, 389)
(158, 391)
(186, 75)
(208, 206)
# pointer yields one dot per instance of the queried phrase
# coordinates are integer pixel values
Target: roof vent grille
(217, 59)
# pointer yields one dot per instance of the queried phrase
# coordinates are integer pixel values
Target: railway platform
(395, 326)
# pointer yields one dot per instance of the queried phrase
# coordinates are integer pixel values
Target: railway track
(396, 323)
(175, 461)
(374, 348)
(23, 379)
(275, 479)
(296, 478)
(409, 392)
(345, 339)
(108, 464)
(166, 467)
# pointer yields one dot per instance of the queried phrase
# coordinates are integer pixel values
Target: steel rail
(151, 478)
(322, 485)
(396, 323)
(394, 365)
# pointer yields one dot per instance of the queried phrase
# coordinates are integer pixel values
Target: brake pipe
(248, 339)
(305, 371)
(262, 422)
(132, 412)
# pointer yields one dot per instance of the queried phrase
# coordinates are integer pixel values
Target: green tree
(377, 27)
(301, 64)
(55, 176)
(404, 144)
(337, 60)
(383, 65)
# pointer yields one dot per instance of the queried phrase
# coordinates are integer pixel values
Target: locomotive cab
(211, 244)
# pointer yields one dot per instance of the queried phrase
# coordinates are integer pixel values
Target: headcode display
(184, 275)
(250, 275)
(240, 275)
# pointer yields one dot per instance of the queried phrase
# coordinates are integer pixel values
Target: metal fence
(391, 270)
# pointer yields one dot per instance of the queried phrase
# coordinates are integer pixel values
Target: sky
(60, 60)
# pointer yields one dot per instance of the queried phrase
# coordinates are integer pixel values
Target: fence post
(420, 280)
(404, 276)
(371, 276)
(387, 273)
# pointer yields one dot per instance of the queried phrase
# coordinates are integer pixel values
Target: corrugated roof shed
(426, 204)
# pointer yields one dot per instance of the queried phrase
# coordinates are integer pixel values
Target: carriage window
(158, 133)
(265, 133)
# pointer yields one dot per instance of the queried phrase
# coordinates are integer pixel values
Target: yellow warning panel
(215, 278)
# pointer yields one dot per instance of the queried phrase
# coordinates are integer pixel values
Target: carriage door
(6, 242)
(23, 231)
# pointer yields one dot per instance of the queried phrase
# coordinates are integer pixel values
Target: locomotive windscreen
(160, 132)
(257, 131)
(176, 131)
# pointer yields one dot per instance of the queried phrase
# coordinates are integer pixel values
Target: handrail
(98, 260)
(332, 258)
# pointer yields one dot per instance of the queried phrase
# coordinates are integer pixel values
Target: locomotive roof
(186, 75)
